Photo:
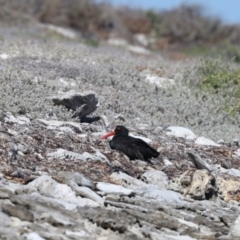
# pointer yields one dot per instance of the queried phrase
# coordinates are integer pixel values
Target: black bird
(134, 148)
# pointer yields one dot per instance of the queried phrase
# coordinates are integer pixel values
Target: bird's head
(118, 131)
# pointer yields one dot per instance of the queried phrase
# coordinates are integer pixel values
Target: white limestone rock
(69, 155)
(119, 42)
(87, 192)
(156, 177)
(66, 32)
(109, 188)
(237, 153)
(45, 185)
(4, 56)
(181, 132)
(234, 231)
(23, 120)
(32, 236)
(142, 39)
(163, 196)
(159, 81)
(126, 180)
(59, 124)
(218, 169)
(138, 50)
(206, 141)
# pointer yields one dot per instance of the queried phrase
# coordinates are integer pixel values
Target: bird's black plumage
(134, 148)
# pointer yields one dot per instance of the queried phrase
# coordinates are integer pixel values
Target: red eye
(118, 128)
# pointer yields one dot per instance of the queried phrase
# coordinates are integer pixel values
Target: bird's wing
(146, 150)
(127, 146)
(134, 148)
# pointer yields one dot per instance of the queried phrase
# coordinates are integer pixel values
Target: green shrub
(217, 77)
(230, 51)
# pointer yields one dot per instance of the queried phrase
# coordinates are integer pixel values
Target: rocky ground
(60, 181)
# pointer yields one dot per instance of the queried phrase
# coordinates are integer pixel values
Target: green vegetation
(91, 42)
(197, 51)
(217, 77)
(225, 50)
(155, 21)
(230, 51)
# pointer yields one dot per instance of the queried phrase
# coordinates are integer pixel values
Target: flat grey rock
(77, 178)
(108, 188)
(47, 186)
(83, 103)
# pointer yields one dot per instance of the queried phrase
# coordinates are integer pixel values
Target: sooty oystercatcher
(134, 148)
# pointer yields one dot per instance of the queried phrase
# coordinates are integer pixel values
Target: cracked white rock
(76, 126)
(49, 187)
(69, 155)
